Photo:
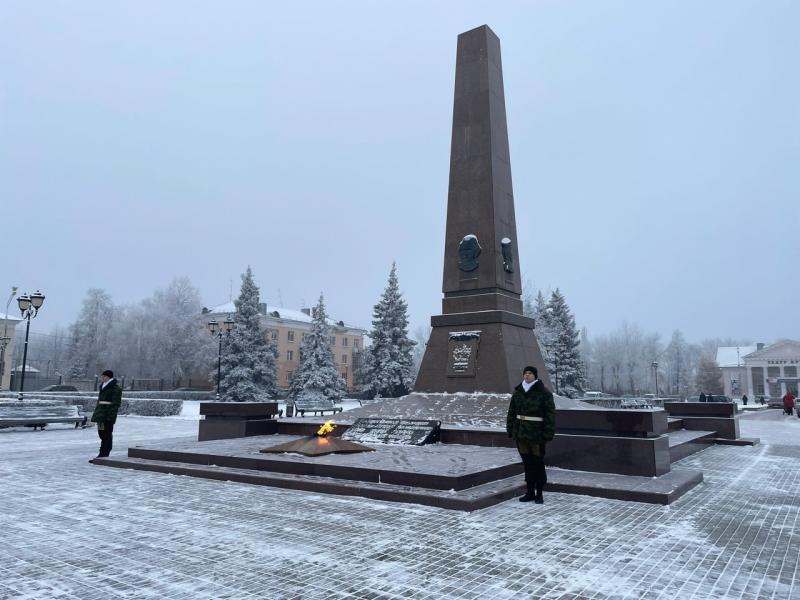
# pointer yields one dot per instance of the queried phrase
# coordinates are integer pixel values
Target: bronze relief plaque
(462, 353)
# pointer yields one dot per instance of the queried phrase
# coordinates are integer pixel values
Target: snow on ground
(74, 530)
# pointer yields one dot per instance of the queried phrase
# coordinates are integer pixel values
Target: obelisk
(481, 341)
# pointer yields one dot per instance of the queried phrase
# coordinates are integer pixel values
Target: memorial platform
(453, 476)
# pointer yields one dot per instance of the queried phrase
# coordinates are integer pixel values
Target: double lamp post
(29, 307)
(219, 329)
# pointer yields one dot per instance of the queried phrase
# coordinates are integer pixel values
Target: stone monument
(481, 341)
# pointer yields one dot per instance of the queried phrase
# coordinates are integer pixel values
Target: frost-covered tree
(543, 326)
(316, 377)
(89, 334)
(421, 336)
(182, 344)
(678, 362)
(388, 367)
(248, 355)
(709, 376)
(563, 350)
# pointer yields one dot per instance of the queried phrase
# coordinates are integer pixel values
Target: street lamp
(29, 307)
(5, 339)
(552, 349)
(219, 329)
(655, 376)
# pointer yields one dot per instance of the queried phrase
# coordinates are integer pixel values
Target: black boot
(530, 493)
(538, 498)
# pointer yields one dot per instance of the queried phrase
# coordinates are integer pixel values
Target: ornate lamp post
(655, 376)
(218, 329)
(29, 307)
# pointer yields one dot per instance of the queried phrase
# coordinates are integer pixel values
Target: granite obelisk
(481, 341)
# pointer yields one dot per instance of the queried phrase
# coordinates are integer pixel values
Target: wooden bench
(315, 406)
(38, 417)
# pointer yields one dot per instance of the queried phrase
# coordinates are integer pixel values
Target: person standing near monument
(105, 413)
(531, 422)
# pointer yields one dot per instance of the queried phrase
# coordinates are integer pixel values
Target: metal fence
(626, 402)
(35, 382)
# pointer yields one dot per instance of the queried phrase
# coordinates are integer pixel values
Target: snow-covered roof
(285, 314)
(10, 318)
(28, 369)
(727, 357)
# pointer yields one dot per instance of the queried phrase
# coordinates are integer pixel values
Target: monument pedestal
(480, 351)
(225, 420)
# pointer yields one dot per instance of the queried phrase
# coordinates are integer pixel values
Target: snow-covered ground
(72, 530)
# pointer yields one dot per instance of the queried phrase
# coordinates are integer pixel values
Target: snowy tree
(709, 376)
(248, 358)
(88, 346)
(563, 348)
(543, 326)
(421, 336)
(677, 357)
(388, 367)
(316, 377)
(528, 301)
(182, 344)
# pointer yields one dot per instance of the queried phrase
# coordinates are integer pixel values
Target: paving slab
(736, 536)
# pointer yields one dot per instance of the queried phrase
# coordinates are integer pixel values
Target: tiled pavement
(69, 530)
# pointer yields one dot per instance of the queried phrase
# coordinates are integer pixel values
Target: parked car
(59, 388)
(711, 398)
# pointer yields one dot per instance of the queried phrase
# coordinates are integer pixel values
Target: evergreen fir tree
(564, 349)
(543, 328)
(388, 367)
(316, 377)
(248, 356)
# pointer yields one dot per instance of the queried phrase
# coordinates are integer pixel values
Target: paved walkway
(74, 530)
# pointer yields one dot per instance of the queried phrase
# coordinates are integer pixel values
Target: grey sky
(654, 148)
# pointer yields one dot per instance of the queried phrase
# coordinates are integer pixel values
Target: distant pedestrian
(702, 396)
(531, 422)
(761, 399)
(744, 399)
(788, 402)
(105, 413)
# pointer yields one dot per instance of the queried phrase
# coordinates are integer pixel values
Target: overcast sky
(655, 152)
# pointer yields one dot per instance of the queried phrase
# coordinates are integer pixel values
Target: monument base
(479, 351)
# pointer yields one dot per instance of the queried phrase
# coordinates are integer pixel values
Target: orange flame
(326, 429)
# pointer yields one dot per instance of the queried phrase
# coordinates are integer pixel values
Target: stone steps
(684, 443)
(662, 490)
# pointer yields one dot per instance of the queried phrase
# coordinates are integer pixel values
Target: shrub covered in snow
(144, 407)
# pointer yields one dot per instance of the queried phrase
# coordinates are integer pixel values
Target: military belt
(527, 418)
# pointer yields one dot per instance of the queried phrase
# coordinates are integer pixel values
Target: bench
(38, 417)
(315, 406)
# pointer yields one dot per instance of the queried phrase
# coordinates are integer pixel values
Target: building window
(345, 341)
(305, 335)
(344, 359)
(790, 371)
(274, 335)
(290, 355)
(344, 376)
(355, 344)
(289, 376)
(333, 340)
(290, 335)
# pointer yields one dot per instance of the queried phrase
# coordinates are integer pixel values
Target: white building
(760, 370)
